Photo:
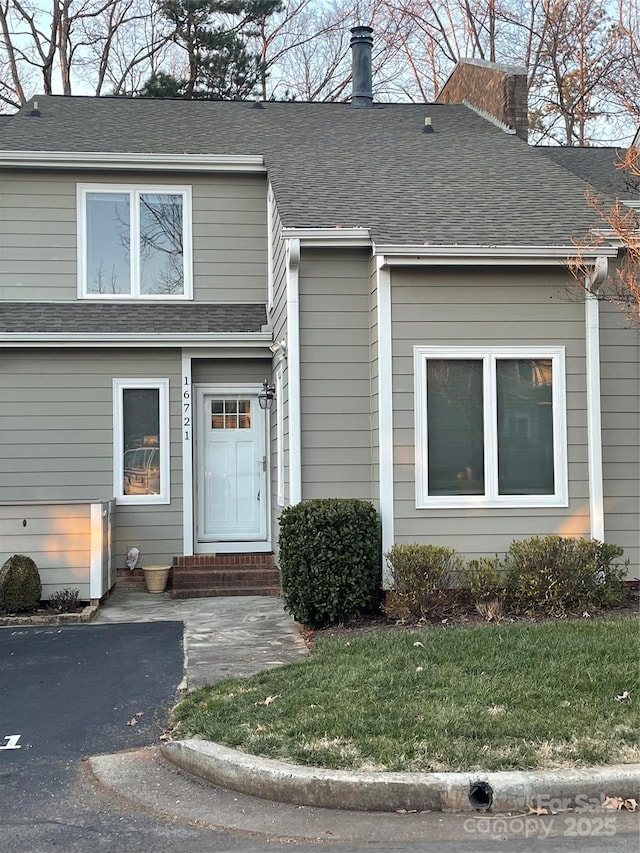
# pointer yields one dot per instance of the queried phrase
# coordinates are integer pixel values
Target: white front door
(231, 468)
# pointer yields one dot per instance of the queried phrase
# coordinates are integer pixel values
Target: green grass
(495, 697)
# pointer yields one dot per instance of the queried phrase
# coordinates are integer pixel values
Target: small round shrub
(20, 586)
(484, 579)
(329, 560)
(424, 576)
(555, 575)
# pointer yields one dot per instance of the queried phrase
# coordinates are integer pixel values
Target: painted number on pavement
(11, 742)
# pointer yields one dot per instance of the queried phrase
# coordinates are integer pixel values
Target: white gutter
(398, 255)
(345, 237)
(293, 362)
(594, 417)
(119, 160)
(385, 414)
(148, 339)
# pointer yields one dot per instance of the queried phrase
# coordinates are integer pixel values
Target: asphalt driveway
(77, 690)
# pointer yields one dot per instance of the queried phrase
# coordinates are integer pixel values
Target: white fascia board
(398, 255)
(349, 237)
(86, 339)
(139, 162)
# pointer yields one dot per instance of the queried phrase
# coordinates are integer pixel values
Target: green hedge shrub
(484, 578)
(329, 560)
(554, 575)
(20, 585)
(424, 576)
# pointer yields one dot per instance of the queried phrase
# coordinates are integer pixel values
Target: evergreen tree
(214, 34)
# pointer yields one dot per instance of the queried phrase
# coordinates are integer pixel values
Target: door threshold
(233, 548)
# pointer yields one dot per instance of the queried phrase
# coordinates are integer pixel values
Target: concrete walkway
(224, 638)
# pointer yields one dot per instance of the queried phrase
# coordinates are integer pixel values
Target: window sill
(482, 502)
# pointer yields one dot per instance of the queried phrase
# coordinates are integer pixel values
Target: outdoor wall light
(266, 395)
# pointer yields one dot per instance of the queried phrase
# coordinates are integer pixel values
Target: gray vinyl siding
(335, 374)
(240, 371)
(62, 540)
(56, 418)
(482, 307)
(56, 536)
(620, 402)
(38, 243)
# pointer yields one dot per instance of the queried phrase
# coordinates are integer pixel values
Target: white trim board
(293, 361)
(385, 416)
(594, 418)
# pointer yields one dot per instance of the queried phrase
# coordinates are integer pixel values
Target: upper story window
(490, 427)
(134, 242)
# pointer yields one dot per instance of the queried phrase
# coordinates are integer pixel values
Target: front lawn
(491, 697)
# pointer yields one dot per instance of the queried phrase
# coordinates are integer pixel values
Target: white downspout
(293, 362)
(594, 420)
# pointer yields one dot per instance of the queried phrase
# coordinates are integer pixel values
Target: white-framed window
(490, 426)
(134, 242)
(141, 441)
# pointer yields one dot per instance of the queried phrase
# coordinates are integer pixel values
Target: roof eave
(399, 255)
(321, 237)
(150, 339)
(143, 162)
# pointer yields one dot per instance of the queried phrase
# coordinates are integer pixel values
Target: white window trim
(134, 190)
(489, 356)
(119, 386)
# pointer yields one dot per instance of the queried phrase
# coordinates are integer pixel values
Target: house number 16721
(186, 410)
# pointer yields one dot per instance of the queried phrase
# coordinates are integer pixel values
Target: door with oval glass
(232, 467)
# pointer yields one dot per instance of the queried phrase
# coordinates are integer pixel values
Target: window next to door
(141, 441)
(490, 426)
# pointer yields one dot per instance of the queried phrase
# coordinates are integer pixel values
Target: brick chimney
(492, 89)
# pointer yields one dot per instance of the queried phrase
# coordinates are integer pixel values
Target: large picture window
(490, 426)
(134, 242)
(141, 440)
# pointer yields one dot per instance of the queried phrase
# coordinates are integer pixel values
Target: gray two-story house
(397, 273)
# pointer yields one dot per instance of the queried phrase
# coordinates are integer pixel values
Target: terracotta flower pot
(155, 578)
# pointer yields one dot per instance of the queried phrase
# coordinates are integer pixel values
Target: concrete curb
(557, 790)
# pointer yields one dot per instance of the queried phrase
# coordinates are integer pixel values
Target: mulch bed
(377, 622)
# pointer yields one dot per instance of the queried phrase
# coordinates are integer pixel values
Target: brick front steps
(207, 575)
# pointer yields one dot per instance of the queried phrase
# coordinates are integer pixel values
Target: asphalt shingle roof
(331, 165)
(81, 317)
(596, 167)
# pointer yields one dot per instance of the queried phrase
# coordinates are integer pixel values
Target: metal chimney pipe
(361, 44)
